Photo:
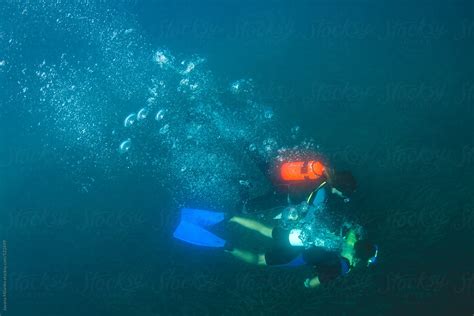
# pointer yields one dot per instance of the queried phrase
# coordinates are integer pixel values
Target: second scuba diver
(328, 264)
(294, 180)
(302, 238)
(289, 248)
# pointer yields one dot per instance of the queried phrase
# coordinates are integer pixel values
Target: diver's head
(365, 253)
(343, 183)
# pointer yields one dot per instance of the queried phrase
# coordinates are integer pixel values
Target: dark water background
(387, 91)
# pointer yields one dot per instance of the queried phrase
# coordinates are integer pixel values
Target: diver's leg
(252, 225)
(247, 256)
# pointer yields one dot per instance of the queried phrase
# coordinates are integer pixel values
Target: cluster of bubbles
(67, 95)
(198, 132)
(317, 228)
(161, 58)
(242, 86)
(123, 104)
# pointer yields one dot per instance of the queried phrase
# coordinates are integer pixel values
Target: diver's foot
(231, 219)
(228, 217)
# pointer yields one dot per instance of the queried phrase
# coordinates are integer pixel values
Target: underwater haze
(114, 114)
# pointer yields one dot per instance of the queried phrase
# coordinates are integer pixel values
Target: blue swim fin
(192, 230)
(201, 217)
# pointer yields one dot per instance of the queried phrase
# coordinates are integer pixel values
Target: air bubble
(295, 129)
(164, 129)
(189, 68)
(125, 146)
(160, 58)
(151, 101)
(234, 88)
(142, 114)
(130, 120)
(159, 116)
(269, 145)
(268, 113)
(241, 86)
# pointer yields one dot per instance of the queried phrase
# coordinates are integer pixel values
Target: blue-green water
(383, 89)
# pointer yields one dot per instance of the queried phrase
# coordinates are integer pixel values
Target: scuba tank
(301, 170)
(307, 228)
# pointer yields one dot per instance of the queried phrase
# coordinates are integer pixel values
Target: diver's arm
(348, 246)
(351, 238)
(312, 283)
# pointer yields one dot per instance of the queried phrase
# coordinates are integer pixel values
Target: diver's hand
(312, 283)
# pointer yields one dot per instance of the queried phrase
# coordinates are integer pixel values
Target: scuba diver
(328, 264)
(288, 250)
(300, 239)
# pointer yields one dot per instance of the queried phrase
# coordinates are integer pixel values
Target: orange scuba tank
(302, 170)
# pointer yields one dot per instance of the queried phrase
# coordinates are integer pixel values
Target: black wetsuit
(328, 264)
